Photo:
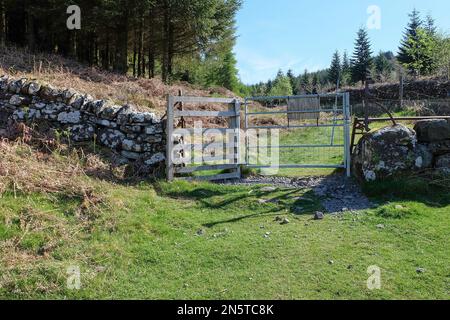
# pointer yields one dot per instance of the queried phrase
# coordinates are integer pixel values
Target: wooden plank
(206, 168)
(186, 99)
(187, 114)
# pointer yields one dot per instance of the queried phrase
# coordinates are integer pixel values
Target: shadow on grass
(280, 201)
(430, 189)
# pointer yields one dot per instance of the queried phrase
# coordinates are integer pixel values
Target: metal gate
(198, 152)
(313, 131)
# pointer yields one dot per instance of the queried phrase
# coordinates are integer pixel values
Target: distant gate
(314, 130)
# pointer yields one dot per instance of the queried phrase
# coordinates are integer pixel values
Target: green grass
(144, 243)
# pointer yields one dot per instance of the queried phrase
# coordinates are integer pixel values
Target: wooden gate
(188, 159)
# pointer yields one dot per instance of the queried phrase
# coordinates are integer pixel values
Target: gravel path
(336, 191)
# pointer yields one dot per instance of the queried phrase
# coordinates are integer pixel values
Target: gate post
(169, 141)
(347, 123)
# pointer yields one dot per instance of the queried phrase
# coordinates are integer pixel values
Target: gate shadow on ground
(281, 201)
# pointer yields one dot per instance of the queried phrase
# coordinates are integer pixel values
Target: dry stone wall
(133, 136)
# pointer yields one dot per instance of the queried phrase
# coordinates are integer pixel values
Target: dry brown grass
(145, 94)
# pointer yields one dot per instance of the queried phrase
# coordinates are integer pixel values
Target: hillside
(145, 94)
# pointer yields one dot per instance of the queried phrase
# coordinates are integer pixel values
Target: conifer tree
(362, 58)
(335, 72)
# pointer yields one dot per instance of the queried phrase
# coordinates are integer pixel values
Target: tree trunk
(30, 31)
(2, 23)
(134, 55)
(166, 31)
(121, 63)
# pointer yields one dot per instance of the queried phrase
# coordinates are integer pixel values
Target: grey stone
(19, 114)
(421, 270)
(96, 107)
(443, 162)
(110, 112)
(69, 96)
(385, 152)
(123, 117)
(17, 100)
(154, 129)
(106, 123)
(69, 117)
(16, 86)
(80, 102)
(152, 139)
(319, 215)
(84, 132)
(142, 117)
(439, 148)
(268, 189)
(432, 130)
(33, 88)
(4, 83)
(130, 145)
(50, 93)
(424, 157)
(131, 155)
(111, 138)
(155, 159)
(131, 129)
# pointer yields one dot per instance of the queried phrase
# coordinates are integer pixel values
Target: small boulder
(443, 163)
(432, 130)
(386, 152)
(319, 215)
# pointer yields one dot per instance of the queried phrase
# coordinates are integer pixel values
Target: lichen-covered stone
(155, 159)
(32, 88)
(49, 93)
(69, 117)
(131, 129)
(424, 157)
(17, 100)
(123, 117)
(82, 132)
(111, 138)
(16, 86)
(443, 163)
(154, 129)
(131, 155)
(142, 117)
(131, 145)
(4, 83)
(386, 152)
(110, 112)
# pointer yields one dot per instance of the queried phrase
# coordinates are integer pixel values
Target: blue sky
(299, 34)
